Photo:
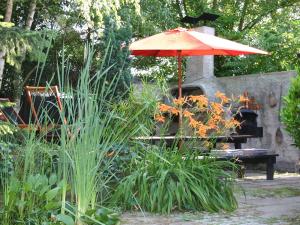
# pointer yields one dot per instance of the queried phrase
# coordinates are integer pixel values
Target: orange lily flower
(187, 113)
(202, 131)
(174, 111)
(200, 99)
(217, 108)
(222, 97)
(164, 108)
(193, 123)
(242, 99)
(159, 118)
(179, 101)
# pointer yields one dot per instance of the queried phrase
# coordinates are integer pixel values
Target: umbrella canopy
(188, 43)
(183, 42)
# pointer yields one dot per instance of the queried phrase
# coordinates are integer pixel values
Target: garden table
(236, 139)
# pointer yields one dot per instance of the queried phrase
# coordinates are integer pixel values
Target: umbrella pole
(180, 96)
(180, 89)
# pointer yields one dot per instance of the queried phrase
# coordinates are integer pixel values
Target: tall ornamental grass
(89, 138)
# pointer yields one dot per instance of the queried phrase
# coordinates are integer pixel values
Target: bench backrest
(43, 99)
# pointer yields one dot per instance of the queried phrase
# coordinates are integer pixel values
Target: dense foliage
(291, 111)
(272, 26)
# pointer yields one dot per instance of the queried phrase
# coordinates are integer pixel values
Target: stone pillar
(198, 67)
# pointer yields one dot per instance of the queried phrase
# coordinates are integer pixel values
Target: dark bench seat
(250, 156)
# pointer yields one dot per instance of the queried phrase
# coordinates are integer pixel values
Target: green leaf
(53, 205)
(52, 179)
(52, 193)
(67, 220)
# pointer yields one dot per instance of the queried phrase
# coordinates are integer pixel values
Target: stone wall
(268, 90)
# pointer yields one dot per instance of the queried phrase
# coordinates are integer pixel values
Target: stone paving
(274, 202)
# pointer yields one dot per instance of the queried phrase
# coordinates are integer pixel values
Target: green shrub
(291, 111)
(162, 182)
(31, 201)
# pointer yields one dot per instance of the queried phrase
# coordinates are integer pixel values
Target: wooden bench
(250, 156)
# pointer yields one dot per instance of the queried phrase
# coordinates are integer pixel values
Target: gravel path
(274, 202)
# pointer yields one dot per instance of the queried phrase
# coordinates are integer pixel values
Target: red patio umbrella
(183, 42)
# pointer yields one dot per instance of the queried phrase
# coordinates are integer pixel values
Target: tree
(31, 12)
(16, 43)
(291, 111)
(9, 8)
(7, 18)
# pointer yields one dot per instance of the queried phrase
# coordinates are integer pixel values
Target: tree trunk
(2, 63)
(30, 15)
(9, 8)
(7, 18)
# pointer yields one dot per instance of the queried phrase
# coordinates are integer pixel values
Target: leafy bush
(32, 201)
(291, 111)
(168, 181)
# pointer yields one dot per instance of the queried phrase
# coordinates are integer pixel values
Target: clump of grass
(163, 182)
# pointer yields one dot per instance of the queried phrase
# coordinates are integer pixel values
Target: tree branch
(259, 18)
(242, 19)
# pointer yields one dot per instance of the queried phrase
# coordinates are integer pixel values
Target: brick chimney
(199, 67)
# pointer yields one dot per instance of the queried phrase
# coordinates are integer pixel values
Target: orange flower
(232, 123)
(202, 130)
(216, 118)
(159, 118)
(217, 108)
(200, 99)
(222, 97)
(212, 124)
(186, 113)
(193, 123)
(242, 99)
(174, 111)
(164, 108)
(179, 101)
